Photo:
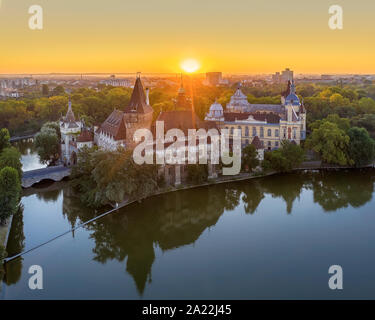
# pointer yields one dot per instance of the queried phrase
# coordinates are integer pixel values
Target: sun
(190, 65)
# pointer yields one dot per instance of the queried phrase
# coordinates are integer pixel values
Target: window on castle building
(261, 132)
(276, 132)
(239, 128)
(254, 131)
(269, 133)
(231, 130)
(277, 144)
(247, 141)
(284, 133)
(294, 133)
(247, 131)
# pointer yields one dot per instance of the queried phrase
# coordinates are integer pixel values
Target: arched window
(276, 132)
(269, 133)
(254, 131)
(231, 130)
(261, 132)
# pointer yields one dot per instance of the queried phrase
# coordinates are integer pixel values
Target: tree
(58, 91)
(47, 144)
(103, 177)
(294, 154)
(45, 90)
(4, 139)
(197, 173)
(10, 189)
(361, 146)
(366, 105)
(330, 142)
(249, 158)
(337, 100)
(274, 160)
(11, 157)
(286, 158)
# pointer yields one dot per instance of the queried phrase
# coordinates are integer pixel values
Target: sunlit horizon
(238, 37)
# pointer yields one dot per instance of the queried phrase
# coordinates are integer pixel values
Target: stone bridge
(29, 178)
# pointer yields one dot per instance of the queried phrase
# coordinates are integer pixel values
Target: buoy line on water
(66, 232)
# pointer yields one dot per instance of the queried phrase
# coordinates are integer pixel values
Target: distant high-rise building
(214, 78)
(287, 75)
(284, 76)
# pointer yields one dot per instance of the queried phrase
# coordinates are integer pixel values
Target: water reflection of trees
(25, 146)
(15, 245)
(180, 218)
(334, 190)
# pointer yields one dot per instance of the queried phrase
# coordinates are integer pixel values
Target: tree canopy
(10, 188)
(361, 147)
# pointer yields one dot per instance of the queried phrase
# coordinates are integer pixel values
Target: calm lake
(267, 238)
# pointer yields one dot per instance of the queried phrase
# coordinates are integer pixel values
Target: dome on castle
(292, 98)
(238, 102)
(216, 112)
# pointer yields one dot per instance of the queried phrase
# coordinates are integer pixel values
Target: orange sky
(247, 36)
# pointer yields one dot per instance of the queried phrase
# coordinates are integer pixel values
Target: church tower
(138, 114)
(182, 102)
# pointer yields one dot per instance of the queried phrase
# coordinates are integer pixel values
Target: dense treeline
(10, 180)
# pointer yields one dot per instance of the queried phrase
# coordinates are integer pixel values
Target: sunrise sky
(238, 36)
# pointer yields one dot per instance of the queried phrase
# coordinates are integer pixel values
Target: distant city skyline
(241, 36)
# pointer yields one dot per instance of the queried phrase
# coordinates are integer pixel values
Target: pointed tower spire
(138, 102)
(70, 114)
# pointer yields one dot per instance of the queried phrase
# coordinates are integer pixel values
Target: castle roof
(183, 120)
(114, 125)
(256, 143)
(138, 102)
(85, 136)
(69, 118)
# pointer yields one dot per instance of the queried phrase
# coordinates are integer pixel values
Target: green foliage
(11, 157)
(10, 189)
(197, 173)
(366, 121)
(103, 177)
(4, 139)
(249, 158)
(330, 142)
(286, 158)
(58, 91)
(361, 146)
(45, 90)
(47, 143)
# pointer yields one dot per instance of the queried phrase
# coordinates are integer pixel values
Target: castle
(263, 125)
(269, 123)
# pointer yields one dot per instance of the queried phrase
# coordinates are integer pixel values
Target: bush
(10, 190)
(197, 173)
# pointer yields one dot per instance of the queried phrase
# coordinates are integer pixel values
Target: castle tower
(138, 114)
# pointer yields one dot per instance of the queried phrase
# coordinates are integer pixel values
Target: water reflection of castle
(180, 218)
